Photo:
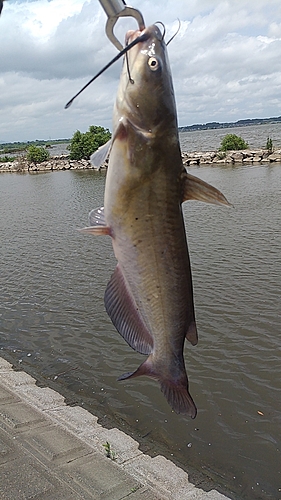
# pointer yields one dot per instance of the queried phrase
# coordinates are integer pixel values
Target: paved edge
(163, 479)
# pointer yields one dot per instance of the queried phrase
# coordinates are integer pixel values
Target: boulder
(237, 156)
(276, 156)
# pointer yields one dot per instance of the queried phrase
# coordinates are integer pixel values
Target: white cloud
(225, 62)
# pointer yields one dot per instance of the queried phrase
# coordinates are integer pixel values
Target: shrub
(233, 142)
(6, 159)
(37, 154)
(269, 145)
(83, 145)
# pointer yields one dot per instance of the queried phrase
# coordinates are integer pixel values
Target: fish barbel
(149, 297)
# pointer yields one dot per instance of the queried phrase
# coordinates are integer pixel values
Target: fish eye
(153, 63)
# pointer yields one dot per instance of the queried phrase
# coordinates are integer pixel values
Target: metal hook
(115, 9)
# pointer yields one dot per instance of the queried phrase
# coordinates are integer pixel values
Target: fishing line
(141, 38)
(175, 33)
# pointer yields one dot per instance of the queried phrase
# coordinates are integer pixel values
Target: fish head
(145, 95)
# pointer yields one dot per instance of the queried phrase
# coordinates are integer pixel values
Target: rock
(257, 158)
(264, 160)
(237, 156)
(276, 156)
(62, 162)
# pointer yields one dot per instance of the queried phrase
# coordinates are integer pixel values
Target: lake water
(53, 322)
(210, 140)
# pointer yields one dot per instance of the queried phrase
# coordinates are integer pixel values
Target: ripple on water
(53, 280)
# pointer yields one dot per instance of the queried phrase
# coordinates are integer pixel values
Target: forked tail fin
(175, 391)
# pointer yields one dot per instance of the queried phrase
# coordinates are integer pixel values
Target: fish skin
(150, 297)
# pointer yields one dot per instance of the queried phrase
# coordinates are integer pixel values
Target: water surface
(54, 325)
(210, 140)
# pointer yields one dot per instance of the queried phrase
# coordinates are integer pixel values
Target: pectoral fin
(100, 155)
(123, 312)
(97, 223)
(196, 189)
(96, 217)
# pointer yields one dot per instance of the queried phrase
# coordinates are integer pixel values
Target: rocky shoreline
(53, 164)
(259, 156)
(63, 162)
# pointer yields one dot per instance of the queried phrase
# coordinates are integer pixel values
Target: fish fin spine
(96, 230)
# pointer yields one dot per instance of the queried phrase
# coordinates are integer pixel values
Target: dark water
(53, 323)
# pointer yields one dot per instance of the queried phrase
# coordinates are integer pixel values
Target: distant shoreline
(186, 128)
(240, 123)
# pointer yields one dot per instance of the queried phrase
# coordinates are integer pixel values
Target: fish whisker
(175, 34)
(141, 38)
(164, 29)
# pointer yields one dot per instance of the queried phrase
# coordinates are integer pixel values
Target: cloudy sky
(226, 62)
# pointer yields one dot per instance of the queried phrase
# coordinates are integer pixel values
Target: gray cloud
(225, 62)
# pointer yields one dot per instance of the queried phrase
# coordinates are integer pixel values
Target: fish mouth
(146, 34)
(131, 35)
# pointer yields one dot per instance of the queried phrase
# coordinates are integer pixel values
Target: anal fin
(124, 314)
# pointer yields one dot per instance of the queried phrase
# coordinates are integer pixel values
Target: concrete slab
(19, 415)
(55, 444)
(49, 450)
(101, 477)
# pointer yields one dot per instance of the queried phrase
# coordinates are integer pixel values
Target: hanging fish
(149, 297)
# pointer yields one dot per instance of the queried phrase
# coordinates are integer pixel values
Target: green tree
(233, 142)
(37, 154)
(83, 145)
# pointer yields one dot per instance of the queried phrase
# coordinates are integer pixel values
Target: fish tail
(179, 397)
(175, 391)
